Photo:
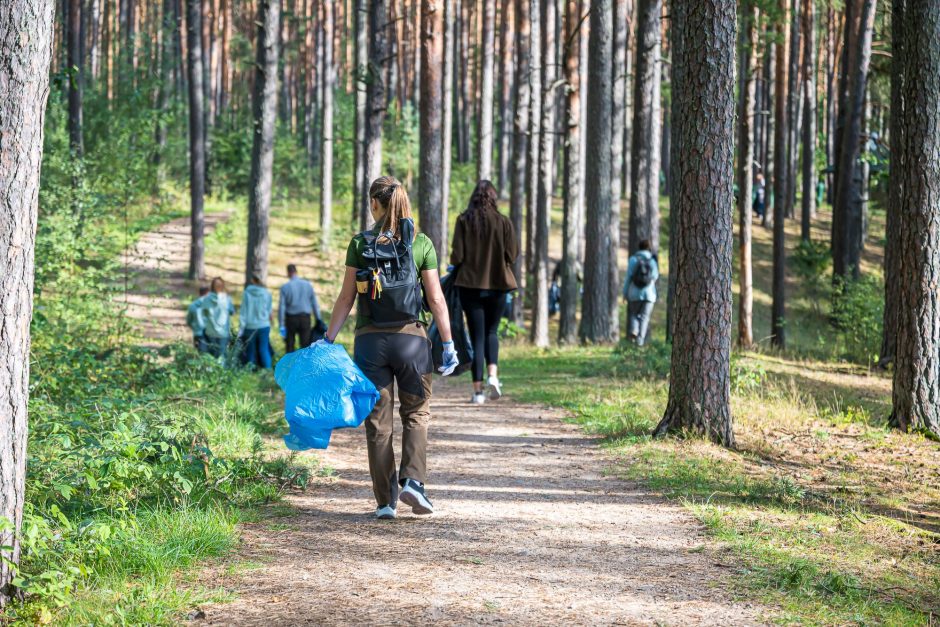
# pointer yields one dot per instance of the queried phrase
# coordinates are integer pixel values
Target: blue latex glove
(284, 332)
(450, 359)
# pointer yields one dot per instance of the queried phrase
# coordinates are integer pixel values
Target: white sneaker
(493, 388)
(386, 512)
(478, 398)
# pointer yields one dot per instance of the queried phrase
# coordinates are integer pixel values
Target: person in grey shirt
(296, 305)
(639, 290)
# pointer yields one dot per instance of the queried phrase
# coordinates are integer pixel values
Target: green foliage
(810, 261)
(858, 314)
(746, 376)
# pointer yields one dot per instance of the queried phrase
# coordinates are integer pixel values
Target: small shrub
(858, 314)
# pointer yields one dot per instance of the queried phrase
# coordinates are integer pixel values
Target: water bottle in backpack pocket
(388, 288)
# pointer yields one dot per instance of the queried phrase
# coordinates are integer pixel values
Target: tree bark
(197, 141)
(535, 126)
(619, 86)
(746, 174)
(431, 182)
(703, 101)
(76, 74)
(448, 102)
(507, 36)
(520, 148)
(917, 361)
(485, 130)
(376, 103)
(780, 183)
(361, 199)
(546, 177)
(596, 324)
(892, 260)
(574, 209)
(326, 126)
(264, 105)
(644, 193)
(846, 258)
(26, 34)
(793, 100)
(808, 206)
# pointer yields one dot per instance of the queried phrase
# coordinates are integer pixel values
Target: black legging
(483, 316)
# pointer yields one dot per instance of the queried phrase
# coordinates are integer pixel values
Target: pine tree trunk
(546, 177)
(847, 178)
(507, 36)
(917, 360)
(627, 171)
(520, 148)
(326, 126)
(25, 56)
(76, 77)
(197, 141)
(780, 183)
(644, 194)
(535, 127)
(447, 122)
(809, 119)
(574, 212)
(264, 105)
(702, 195)
(618, 118)
(892, 260)
(596, 325)
(793, 99)
(485, 130)
(376, 104)
(431, 182)
(360, 198)
(746, 174)
(466, 97)
(831, 58)
(770, 153)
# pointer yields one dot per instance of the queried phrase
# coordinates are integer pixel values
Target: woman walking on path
(255, 318)
(483, 252)
(392, 342)
(217, 309)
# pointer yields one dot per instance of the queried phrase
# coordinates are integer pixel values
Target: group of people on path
(209, 318)
(391, 276)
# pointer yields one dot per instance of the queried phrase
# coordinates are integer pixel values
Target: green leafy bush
(858, 314)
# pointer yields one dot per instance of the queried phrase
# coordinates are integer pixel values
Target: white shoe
(478, 398)
(386, 512)
(412, 493)
(493, 388)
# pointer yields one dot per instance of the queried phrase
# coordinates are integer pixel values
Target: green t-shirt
(423, 253)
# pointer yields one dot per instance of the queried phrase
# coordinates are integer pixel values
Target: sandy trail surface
(531, 526)
(529, 529)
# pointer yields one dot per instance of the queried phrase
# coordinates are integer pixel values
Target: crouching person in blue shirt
(255, 318)
(639, 290)
(196, 322)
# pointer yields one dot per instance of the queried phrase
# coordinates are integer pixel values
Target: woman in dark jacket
(483, 252)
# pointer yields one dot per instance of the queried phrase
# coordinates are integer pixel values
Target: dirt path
(158, 290)
(530, 528)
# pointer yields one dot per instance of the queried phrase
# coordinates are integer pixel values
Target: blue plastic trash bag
(324, 390)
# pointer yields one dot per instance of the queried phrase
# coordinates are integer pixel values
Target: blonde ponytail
(391, 194)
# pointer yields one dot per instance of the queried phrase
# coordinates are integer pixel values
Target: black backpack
(388, 287)
(643, 272)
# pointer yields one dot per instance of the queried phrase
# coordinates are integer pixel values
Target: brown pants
(403, 360)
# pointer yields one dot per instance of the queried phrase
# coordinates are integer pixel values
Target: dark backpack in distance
(643, 272)
(388, 287)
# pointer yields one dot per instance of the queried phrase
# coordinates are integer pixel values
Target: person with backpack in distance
(483, 251)
(254, 318)
(639, 290)
(297, 302)
(385, 270)
(217, 309)
(196, 322)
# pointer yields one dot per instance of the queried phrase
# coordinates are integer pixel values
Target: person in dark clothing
(760, 196)
(483, 252)
(297, 303)
(397, 355)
